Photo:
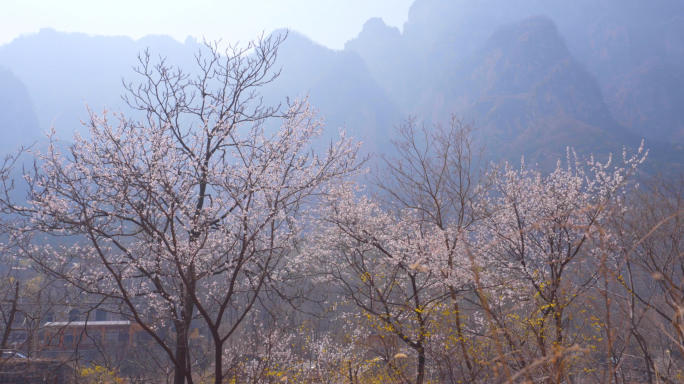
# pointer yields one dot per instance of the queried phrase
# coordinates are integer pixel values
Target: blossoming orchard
(207, 237)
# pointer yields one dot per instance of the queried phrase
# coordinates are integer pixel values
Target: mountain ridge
(534, 76)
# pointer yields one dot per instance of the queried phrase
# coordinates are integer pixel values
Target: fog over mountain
(18, 121)
(535, 76)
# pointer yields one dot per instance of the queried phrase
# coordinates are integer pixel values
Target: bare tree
(440, 173)
(651, 236)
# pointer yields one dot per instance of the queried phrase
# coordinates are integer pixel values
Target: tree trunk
(181, 351)
(459, 331)
(420, 369)
(218, 361)
(183, 370)
(10, 318)
(560, 360)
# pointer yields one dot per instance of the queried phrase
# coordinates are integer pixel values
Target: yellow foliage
(97, 375)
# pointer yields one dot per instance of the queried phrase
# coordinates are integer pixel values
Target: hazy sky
(329, 22)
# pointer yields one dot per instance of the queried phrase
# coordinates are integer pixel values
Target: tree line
(246, 249)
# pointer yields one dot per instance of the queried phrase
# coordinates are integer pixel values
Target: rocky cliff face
(596, 74)
(649, 100)
(647, 94)
(531, 97)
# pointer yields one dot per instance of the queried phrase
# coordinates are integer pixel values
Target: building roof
(83, 323)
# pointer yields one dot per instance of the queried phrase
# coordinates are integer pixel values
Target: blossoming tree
(186, 215)
(399, 255)
(543, 247)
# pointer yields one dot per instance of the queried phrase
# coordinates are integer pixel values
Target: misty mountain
(62, 71)
(649, 100)
(339, 85)
(629, 47)
(18, 121)
(535, 76)
(531, 97)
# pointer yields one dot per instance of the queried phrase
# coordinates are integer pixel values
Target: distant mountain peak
(533, 35)
(377, 25)
(374, 35)
(518, 56)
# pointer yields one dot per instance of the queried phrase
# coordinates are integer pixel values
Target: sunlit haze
(330, 23)
(394, 191)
